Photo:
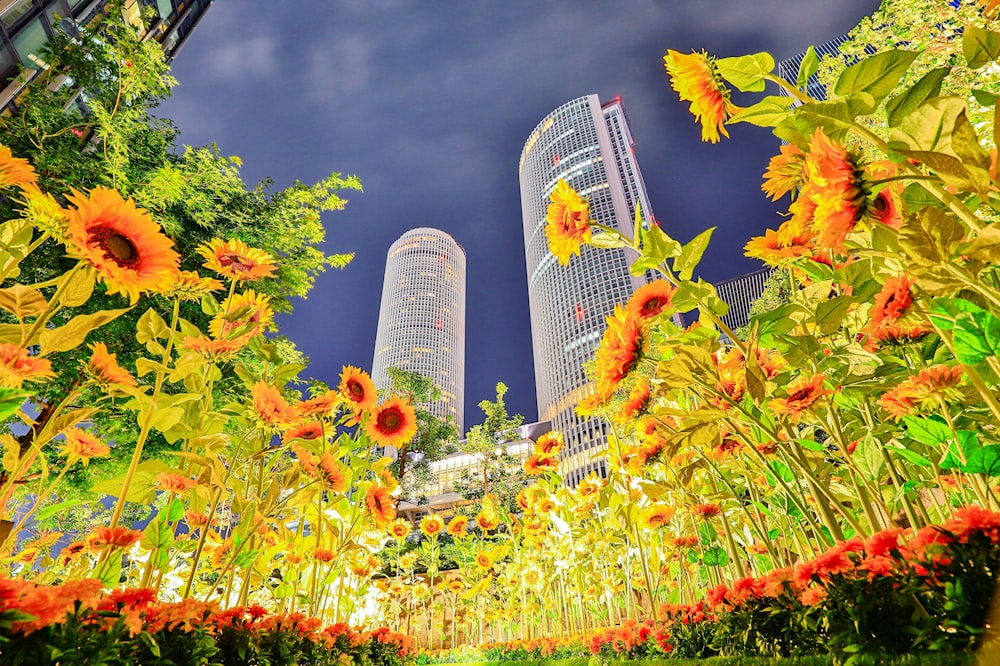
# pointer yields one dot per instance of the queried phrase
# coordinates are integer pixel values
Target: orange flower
(15, 171)
(104, 367)
(399, 529)
(357, 386)
(17, 366)
(891, 303)
(175, 483)
(392, 423)
(657, 515)
(318, 405)
(309, 430)
(211, 348)
(777, 249)
(122, 242)
(484, 560)
(650, 299)
(540, 464)
(432, 524)
(921, 390)
(458, 525)
(802, 394)
(270, 407)
(235, 260)
(706, 510)
(567, 220)
(589, 485)
(618, 353)
(549, 444)
(379, 504)
(334, 478)
(834, 191)
(487, 520)
(885, 209)
(81, 445)
(696, 80)
(784, 172)
(189, 286)
(638, 400)
(114, 537)
(195, 519)
(242, 316)
(322, 555)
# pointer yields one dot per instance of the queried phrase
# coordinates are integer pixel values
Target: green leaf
(746, 73)
(984, 461)
(11, 401)
(808, 67)
(151, 326)
(951, 170)
(980, 47)
(73, 333)
(707, 533)
(659, 246)
(78, 287)
(929, 236)
(968, 444)
(986, 246)
(691, 253)
(716, 556)
(931, 431)
(165, 418)
(607, 241)
(907, 102)
(976, 337)
(111, 573)
(928, 128)
(53, 509)
(985, 98)
(158, 535)
(768, 112)
(175, 511)
(912, 457)
(830, 313)
(22, 301)
(783, 471)
(876, 75)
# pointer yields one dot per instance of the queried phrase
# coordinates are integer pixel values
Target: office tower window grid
(421, 325)
(739, 293)
(589, 147)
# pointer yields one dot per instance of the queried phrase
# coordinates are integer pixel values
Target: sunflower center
(235, 261)
(801, 394)
(390, 420)
(116, 246)
(654, 305)
(356, 390)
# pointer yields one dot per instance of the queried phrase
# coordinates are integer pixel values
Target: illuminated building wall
(421, 321)
(590, 147)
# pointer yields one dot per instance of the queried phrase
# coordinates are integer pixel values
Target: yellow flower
(567, 221)
(392, 423)
(357, 386)
(104, 368)
(270, 407)
(242, 316)
(17, 366)
(696, 80)
(457, 525)
(189, 286)
(657, 515)
(122, 242)
(234, 259)
(432, 524)
(81, 445)
(399, 529)
(379, 504)
(15, 171)
(619, 351)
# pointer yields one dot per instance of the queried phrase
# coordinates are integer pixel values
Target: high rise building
(27, 25)
(421, 320)
(590, 146)
(739, 293)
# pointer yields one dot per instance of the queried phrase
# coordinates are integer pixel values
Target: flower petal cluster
(567, 221)
(696, 80)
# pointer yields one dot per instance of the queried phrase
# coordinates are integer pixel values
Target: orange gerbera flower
(15, 171)
(81, 445)
(309, 430)
(17, 366)
(696, 80)
(549, 444)
(802, 394)
(432, 524)
(567, 221)
(174, 483)
(922, 390)
(657, 515)
(638, 400)
(650, 299)
(399, 529)
(242, 316)
(458, 525)
(835, 190)
(270, 407)
(776, 248)
(706, 510)
(357, 386)
(122, 242)
(619, 351)
(379, 504)
(392, 423)
(189, 286)
(115, 537)
(784, 172)
(235, 260)
(537, 464)
(334, 478)
(104, 367)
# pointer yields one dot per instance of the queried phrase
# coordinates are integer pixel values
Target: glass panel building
(591, 147)
(421, 321)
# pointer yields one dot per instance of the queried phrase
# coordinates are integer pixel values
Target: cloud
(246, 58)
(333, 69)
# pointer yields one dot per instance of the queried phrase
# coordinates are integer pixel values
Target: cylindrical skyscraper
(590, 147)
(421, 321)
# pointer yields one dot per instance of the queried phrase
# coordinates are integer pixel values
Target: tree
(500, 473)
(435, 436)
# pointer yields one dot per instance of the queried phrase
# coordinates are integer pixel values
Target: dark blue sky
(429, 104)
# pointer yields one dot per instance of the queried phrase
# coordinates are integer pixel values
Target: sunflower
(270, 407)
(115, 537)
(784, 172)
(357, 386)
(392, 423)
(549, 444)
(17, 366)
(537, 464)
(242, 316)
(399, 529)
(637, 402)
(457, 526)
(696, 80)
(432, 524)
(706, 510)
(892, 302)
(619, 351)
(309, 430)
(212, 348)
(15, 171)
(81, 445)
(235, 260)
(775, 248)
(833, 197)
(379, 504)
(104, 368)
(802, 394)
(189, 286)
(484, 560)
(172, 482)
(333, 476)
(318, 405)
(122, 242)
(650, 299)
(923, 390)
(590, 485)
(487, 520)
(567, 222)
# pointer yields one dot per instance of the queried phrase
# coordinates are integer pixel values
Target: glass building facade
(591, 147)
(421, 322)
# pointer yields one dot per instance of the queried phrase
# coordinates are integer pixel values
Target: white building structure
(591, 147)
(421, 322)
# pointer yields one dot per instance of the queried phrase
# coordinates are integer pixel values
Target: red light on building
(555, 159)
(579, 313)
(439, 325)
(442, 258)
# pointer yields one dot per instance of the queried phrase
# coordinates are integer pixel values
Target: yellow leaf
(80, 287)
(22, 301)
(73, 333)
(11, 452)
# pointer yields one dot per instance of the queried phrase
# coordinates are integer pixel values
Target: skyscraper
(739, 293)
(421, 320)
(590, 146)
